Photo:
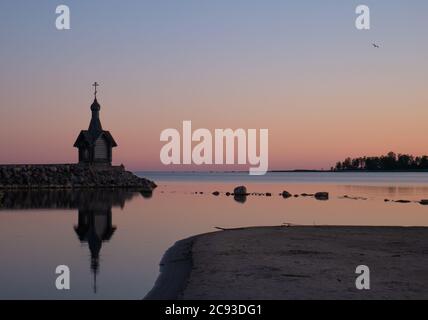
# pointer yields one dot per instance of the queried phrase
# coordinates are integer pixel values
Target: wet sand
(296, 262)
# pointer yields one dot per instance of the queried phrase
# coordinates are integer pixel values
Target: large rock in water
(70, 176)
(240, 191)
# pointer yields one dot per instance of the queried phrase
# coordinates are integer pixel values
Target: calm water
(113, 241)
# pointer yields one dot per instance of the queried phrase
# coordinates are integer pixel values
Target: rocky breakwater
(70, 176)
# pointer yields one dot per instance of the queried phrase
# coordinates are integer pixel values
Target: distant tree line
(389, 162)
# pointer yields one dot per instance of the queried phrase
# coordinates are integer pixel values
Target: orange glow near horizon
(298, 139)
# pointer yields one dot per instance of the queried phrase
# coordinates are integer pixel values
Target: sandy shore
(296, 263)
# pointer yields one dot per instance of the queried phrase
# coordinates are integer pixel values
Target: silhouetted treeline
(388, 162)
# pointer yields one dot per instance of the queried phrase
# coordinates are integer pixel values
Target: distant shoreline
(353, 171)
(289, 171)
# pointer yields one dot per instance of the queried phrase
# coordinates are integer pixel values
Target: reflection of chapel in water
(94, 223)
(94, 227)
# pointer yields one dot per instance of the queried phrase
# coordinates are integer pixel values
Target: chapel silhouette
(95, 144)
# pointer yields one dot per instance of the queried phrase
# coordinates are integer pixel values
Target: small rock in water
(268, 194)
(403, 201)
(353, 198)
(424, 202)
(386, 200)
(216, 193)
(321, 195)
(228, 194)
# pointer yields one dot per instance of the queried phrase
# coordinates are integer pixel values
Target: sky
(298, 68)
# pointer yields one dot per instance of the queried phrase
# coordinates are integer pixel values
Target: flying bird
(375, 45)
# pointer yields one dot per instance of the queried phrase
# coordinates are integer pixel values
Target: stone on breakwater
(70, 176)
